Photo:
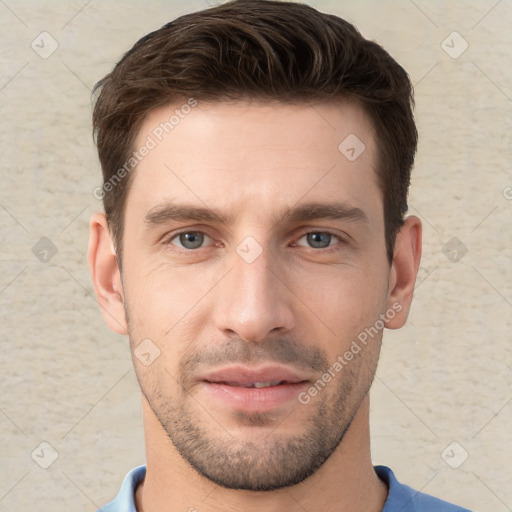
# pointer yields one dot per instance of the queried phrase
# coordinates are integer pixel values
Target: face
(253, 259)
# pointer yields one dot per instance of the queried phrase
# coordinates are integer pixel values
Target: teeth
(256, 384)
(267, 384)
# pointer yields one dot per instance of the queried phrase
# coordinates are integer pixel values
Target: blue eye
(189, 239)
(193, 240)
(319, 239)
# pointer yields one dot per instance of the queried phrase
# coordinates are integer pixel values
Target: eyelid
(169, 237)
(342, 239)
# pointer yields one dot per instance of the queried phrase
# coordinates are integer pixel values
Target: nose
(253, 301)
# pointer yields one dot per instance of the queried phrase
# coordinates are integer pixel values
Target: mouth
(254, 389)
(258, 385)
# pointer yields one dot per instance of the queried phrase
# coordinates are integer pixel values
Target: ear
(404, 268)
(105, 273)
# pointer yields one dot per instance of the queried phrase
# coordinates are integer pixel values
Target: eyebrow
(168, 212)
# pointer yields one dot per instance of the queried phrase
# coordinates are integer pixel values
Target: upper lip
(244, 375)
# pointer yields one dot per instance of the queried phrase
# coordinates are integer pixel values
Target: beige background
(68, 381)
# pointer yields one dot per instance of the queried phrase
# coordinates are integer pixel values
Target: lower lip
(254, 399)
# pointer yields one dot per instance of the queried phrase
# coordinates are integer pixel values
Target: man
(256, 160)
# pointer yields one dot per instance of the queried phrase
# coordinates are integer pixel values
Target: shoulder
(404, 498)
(401, 497)
(125, 499)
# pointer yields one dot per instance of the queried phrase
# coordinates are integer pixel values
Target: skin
(300, 303)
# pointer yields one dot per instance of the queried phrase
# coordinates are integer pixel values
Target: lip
(245, 376)
(227, 386)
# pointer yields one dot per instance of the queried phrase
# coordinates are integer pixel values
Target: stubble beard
(276, 460)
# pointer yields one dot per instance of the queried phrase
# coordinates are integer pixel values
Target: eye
(319, 239)
(188, 240)
(191, 240)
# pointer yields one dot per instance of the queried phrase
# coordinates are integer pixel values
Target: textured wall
(68, 381)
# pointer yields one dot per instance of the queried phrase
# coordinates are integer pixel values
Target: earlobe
(105, 273)
(404, 269)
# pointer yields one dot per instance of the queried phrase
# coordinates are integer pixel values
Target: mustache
(237, 351)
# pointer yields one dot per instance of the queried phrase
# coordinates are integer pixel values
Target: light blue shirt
(401, 498)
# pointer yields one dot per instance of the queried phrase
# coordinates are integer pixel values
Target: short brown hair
(261, 49)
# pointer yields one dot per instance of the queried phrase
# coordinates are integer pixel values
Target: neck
(345, 482)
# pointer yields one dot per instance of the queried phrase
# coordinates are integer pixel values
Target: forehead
(257, 156)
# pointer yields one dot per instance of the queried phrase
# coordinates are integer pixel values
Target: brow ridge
(168, 212)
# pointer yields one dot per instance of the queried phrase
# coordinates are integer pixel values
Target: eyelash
(328, 249)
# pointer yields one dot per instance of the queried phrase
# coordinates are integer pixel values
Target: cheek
(160, 298)
(164, 322)
(159, 383)
(344, 293)
(341, 306)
